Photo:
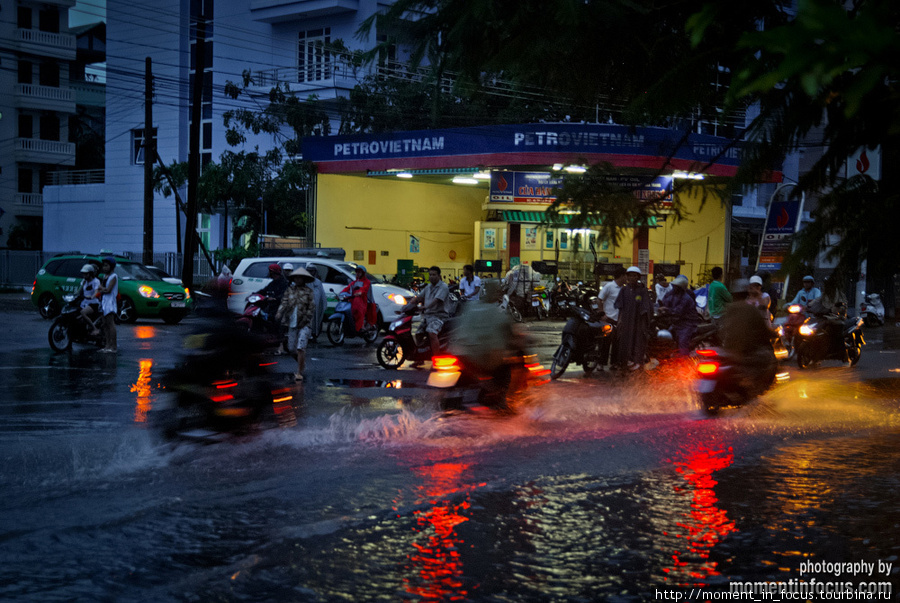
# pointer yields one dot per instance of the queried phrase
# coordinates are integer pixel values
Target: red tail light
(33, 286)
(445, 363)
(707, 353)
(708, 368)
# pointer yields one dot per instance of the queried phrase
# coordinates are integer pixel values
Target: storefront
(449, 197)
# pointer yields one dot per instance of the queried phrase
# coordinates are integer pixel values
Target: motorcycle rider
(90, 297)
(759, 299)
(519, 282)
(485, 336)
(362, 301)
(831, 306)
(808, 293)
(469, 285)
(744, 332)
(434, 298)
(680, 304)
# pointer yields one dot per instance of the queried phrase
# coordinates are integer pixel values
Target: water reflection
(142, 387)
(705, 525)
(435, 568)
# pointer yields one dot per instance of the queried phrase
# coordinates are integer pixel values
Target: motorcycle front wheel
(804, 358)
(390, 354)
(59, 337)
(335, 331)
(370, 335)
(514, 312)
(560, 361)
(855, 352)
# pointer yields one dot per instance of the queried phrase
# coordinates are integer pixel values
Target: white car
(252, 274)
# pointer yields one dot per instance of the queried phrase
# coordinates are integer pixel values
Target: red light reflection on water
(436, 556)
(142, 389)
(706, 524)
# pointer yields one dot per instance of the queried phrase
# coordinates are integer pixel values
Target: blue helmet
(110, 260)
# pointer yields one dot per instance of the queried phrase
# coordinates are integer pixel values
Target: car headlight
(807, 330)
(396, 298)
(148, 291)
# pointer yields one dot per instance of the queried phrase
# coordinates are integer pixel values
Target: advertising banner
(777, 237)
(540, 187)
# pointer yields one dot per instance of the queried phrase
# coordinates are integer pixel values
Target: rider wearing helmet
(744, 331)
(808, 293)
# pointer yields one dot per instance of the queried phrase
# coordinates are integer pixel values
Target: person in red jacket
(360, 291)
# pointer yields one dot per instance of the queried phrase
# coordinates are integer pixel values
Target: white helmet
(88, 269)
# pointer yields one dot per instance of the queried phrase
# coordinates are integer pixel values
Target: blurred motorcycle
(466, 384)
(816, 341)
(341, 325)
(725, 380)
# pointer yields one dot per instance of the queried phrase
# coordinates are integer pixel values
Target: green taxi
(142, 294)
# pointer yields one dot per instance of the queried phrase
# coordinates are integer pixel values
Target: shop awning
(536, 217)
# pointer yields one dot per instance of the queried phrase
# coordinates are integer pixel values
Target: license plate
(177, 304)
(704, 386)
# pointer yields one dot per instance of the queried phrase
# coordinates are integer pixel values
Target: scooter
(223, 385)
(465, 384)
(724, 380)
(256, 319)
(69, 328)
(340, 325)
(815, 341)
(586, 340)
(401, 344)
(872, 311)
(787, 327)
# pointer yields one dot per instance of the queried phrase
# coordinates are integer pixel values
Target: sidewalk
(16, 302)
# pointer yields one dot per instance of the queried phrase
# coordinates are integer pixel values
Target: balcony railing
(45, 92)
(30, 199)
(36, 150)
(60, 45)
(63, 178)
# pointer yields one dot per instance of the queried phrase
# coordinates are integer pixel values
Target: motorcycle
(787, 327)
(222, 385)
(586, 340)
(256, 319)
(872, 311)
(69, 328)
(401, 343)
(466, 384)
(340, 325)
(724, 380)
(815, 341)
(661, 344)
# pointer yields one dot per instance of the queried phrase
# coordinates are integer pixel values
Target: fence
(18, 268)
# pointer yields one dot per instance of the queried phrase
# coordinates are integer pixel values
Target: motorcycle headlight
(780, 330)
(396, 298)
(68, 298)
(148, 291)
(396, 325)
(807, 330)
(795, 308)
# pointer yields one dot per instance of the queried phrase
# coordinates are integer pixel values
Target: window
(26, 126)
(314, 62)
(26, 181)
(49, 75)
(48, 20)
(49, 126)
(257, 270)
(25, 72)
(137, 146)
(203, 229)
(23, 20)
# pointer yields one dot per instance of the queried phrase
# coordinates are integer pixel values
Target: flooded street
(592, 491)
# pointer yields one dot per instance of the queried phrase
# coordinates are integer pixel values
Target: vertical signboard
(782, 222)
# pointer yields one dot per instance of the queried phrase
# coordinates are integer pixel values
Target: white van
(252, 274)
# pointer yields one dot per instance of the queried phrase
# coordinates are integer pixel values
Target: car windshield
(351, 269)
(135, 272)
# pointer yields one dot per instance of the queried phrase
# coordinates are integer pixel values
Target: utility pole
(190, 227)
(149, 159)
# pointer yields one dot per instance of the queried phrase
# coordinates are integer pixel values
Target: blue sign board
(540, 187)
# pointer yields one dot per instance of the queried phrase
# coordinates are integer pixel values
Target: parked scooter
(586, 340)
(69, 328)
(466, 384)
(816, 341)
(872, 311)
(725, 380)
(402, 343)
(340, 325)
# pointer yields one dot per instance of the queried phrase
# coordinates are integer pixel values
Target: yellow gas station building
(451, 197)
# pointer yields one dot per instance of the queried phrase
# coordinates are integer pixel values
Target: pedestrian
(109, 304)
(469, 285)
(296, 312)
(719, 297)
(661, 287)
(635, 310)
(320, 301)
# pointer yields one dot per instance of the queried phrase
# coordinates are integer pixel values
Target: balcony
(45, 98)
(28, 204)
(35, 150)
(89, 94)
(276, 11)
(43, 43)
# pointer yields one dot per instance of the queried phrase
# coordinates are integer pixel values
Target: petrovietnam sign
(529, 144)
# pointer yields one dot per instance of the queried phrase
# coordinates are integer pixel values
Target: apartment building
(36, 54)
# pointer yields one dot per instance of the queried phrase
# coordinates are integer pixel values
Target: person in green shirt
(719, 296)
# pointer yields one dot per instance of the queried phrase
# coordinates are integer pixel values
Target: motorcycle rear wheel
(514, 312)
(59, 337)
(855, 352)
(370, 335)
(335, 331)
(390, 354)
(560, 361)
